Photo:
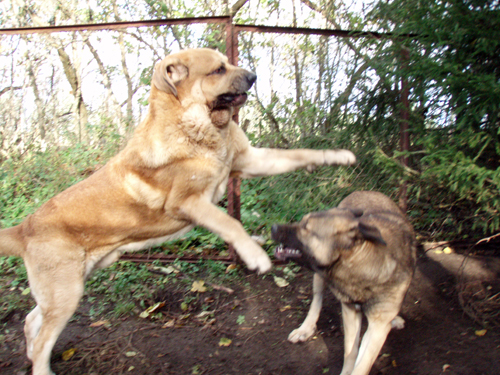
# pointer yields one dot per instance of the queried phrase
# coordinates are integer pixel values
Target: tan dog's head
(203, 76)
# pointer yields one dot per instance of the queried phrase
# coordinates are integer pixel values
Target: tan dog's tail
(11, 243)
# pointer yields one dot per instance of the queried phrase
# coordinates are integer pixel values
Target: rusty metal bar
(112, 25)
(168, 258)
(324, 32)
(234, 184)
(192, 20)
(404, 140)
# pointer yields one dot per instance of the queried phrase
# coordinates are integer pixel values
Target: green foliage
(453, 69)
(27, 182)
(13, 287)
(125, 285)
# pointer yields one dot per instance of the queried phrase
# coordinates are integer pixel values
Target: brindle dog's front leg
(308, 327)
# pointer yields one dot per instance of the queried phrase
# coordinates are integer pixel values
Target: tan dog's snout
(245, 81)
(242, 81)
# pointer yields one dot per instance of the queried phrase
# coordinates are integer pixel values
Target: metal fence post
(234, 184)
(404, 140)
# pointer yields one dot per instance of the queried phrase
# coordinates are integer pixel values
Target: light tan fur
(166, 180)
(364, 250)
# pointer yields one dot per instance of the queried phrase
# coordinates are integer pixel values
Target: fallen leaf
(231, 267)
(66, 356)
(287, 307)
(151, 309)
(225, 342)
(438, 251)
(131, 368)
(446, 367)
(481, 332)
(130, 354)
(240, 320)
(281, 282)
(184, 306)
(26, 291)
(394, 364)
(199, 286)
(204, 314)
(447, 250)
(165, 270)
(100, 323)
(288, 271)
(169, 324)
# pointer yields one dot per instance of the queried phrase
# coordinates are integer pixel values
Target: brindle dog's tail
(11, 243)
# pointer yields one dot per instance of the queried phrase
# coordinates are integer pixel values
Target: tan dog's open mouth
(230, 100)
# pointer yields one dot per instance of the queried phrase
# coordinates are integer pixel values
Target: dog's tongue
(285, 253)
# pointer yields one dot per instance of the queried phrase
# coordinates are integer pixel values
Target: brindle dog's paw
(398, 323)
(301, 334)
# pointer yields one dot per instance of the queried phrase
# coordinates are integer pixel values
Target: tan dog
(166, 180)
(365, 251)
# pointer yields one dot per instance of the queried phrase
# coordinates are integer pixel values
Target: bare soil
(438, 338)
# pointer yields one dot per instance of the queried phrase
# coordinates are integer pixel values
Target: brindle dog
(364, 250)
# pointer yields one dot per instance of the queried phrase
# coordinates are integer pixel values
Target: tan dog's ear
(168, 73)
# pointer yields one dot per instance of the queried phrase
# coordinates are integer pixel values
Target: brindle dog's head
(319, 239)
(203, 76)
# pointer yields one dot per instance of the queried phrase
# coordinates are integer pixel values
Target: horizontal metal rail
(112, 25)
(308, 31)
(168, 258)
(194, 20)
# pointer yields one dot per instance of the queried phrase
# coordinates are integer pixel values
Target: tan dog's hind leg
(351, 320)
(57, 286)
(31, 328)
(308, 327)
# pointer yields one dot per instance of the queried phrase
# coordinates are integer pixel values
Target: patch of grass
(13, 282)
(124, 286)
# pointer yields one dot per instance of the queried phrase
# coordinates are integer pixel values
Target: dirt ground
(257, 318)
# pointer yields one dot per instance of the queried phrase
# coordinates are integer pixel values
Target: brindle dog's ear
(357, 212)
(371, 233)
(168, 73)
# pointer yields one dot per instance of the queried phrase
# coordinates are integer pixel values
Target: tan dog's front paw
(258, 261)
(339, 157)
(262, 264)
(301, 334)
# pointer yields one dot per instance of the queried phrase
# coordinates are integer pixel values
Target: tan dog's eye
(220, 70)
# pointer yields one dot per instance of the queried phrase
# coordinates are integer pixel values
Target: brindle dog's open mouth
(287, 253)
(230, 100)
